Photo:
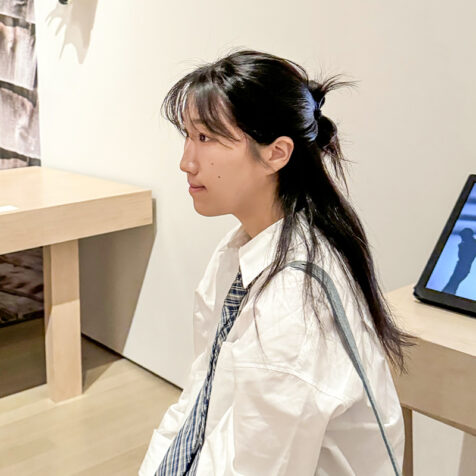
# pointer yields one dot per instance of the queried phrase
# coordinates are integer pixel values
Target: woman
(271, 390)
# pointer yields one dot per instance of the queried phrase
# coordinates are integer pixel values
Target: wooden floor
(104, 431)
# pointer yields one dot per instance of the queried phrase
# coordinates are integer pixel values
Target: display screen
(455, 270)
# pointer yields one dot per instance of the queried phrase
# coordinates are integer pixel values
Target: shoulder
(300, 336)
(277, 327)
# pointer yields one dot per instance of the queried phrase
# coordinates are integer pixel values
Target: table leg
(62, 320)
(408, 451)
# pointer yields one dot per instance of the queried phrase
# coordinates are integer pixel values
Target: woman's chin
(207, 212)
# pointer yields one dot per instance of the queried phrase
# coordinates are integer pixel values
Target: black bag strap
(347, 338)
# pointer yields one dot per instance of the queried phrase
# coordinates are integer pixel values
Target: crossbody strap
(347, 339)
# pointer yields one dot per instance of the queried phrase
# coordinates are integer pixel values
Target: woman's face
(232, 180)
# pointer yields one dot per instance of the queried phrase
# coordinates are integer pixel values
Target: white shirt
(302, 409)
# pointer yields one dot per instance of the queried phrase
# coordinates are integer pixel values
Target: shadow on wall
(112, 271)
(468, 455)
(77, 20)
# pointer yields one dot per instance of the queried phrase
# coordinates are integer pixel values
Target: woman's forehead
(190, 112)
(191, 117)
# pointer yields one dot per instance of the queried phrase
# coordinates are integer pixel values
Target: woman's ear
(278, 153)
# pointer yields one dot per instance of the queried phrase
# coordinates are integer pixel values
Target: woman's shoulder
(277, 325)
(298, 335)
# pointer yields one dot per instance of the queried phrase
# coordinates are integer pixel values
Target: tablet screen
(449, 277)
(455, 270)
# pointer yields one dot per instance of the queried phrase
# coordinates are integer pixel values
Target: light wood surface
(62, 319)
(434, 324)
(41, 206)
(441, 379)
(441, 368)
(53, 206)
(407, 469)
(104, 431)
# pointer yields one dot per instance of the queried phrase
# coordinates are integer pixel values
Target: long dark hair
(267, 97)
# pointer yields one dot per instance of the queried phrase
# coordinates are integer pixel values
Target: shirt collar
(257, 253)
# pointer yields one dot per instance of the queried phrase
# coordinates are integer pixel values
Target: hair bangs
(212, 107)
(214, 110)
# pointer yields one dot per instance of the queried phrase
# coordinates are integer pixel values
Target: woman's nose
(188, 162)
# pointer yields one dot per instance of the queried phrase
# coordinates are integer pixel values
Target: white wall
(104, 68)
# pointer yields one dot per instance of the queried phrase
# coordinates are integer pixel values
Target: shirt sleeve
(275, 426)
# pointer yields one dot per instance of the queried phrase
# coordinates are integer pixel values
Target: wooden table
(41, 206)
(441, 378)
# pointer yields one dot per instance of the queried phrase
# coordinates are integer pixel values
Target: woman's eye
(201, 137)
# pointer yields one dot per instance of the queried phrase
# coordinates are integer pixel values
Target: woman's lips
(195, 189)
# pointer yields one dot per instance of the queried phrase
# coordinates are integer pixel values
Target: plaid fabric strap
(183, 454)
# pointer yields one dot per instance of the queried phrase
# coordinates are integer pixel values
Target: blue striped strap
(345, 334)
